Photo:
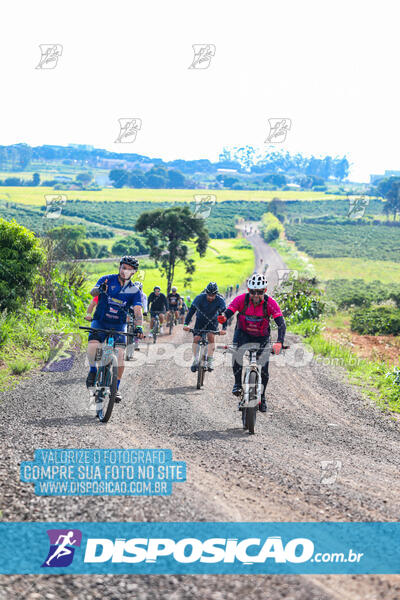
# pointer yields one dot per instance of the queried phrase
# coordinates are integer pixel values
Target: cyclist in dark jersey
(157, 303)
(174, 303)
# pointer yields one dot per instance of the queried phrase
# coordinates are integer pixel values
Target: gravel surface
(275, 475)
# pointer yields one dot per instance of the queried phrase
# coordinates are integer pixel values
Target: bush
(271, 227)
(375, 320)
(20, 258)
(300, 299)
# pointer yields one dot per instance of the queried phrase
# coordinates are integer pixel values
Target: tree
(166, 232)
(175, 179)
(20, 259)
(136, 179)
(275, 179)
(131, 244)
(118, 177)
(84, 178)
(389, 188)
(72, 243)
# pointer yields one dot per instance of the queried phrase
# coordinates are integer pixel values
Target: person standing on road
(207, 306)
(252, 327)
(117, 294)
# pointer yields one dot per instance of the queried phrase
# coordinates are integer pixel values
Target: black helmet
(212, 288)
(129, 260)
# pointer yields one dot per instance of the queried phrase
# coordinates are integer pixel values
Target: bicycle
(202, 354)
(252, 386)
(131, 340)
(172, 320)
(105, 384)
(156, 326)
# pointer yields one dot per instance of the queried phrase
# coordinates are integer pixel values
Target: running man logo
(286, 278)
(54, 205)
(62, 547)
(50, 54)
(278, 129)
(357, 207)
(330, 470)
(203, 205)
(203, 54)
(128, 130)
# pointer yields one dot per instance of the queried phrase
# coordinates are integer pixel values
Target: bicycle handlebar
(234, 348)
(203, 331)
(112, 331)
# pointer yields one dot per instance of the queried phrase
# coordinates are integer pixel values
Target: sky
(329, 67)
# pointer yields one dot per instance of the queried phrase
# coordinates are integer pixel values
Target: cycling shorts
(100, 336)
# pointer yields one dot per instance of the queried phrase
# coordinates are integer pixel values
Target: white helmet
(139, 285)
(187, 297)
(257, 282)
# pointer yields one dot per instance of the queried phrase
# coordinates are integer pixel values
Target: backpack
(253, 325)
(247, 301)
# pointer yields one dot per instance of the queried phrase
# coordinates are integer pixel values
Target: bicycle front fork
(246, 386)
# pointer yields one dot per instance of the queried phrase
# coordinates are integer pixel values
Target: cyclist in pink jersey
(254, 311)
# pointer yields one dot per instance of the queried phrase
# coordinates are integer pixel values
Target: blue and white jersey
(113, 305)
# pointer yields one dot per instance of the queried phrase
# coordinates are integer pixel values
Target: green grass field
(235, 264)
(36, 195)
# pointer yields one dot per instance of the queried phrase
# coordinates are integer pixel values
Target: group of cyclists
(116, 299)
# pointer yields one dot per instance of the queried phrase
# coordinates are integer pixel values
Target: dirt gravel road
(276, 475)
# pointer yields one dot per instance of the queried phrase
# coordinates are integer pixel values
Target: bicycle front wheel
(105, 397)
(249, 412)
(200, 370)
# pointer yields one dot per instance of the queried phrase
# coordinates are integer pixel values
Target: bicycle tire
(200, 370)
(155, 331)
(171, 326)
(105, 416)
(249, 412)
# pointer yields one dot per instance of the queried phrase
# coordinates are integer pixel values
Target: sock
(118, 382)
(93, 369)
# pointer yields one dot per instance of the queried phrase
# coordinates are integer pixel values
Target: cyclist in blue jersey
(207, 306)
(117, 294)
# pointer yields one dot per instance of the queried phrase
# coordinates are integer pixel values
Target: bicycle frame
(251, 366)
(105, 385)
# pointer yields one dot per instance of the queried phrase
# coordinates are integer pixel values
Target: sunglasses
(257, 292)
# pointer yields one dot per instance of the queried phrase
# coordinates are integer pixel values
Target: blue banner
(200, 548)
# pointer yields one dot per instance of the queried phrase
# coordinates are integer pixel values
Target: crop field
(36, 195)
(371, 242)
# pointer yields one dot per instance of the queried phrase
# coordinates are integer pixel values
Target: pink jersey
(253, 321)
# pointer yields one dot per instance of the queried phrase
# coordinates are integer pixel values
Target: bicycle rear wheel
(249, 412)
(155, 331)
(107, 380)
(200, 370)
